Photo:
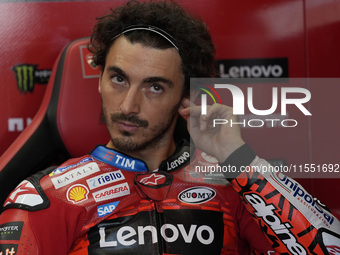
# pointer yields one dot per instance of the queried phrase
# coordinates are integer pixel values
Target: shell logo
(77, 193)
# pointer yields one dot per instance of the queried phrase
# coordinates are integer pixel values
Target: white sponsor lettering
(125, 162)
(17, 124)
(128, 236)
(281, 229)
(107, 208)
(112, 192)
(255, 71)
(179, 161)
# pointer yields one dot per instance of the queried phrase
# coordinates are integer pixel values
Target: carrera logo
(196, 195)
(112, 192)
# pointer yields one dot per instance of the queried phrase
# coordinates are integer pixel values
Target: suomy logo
(196, 195)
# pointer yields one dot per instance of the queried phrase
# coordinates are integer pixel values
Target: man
(138, 194)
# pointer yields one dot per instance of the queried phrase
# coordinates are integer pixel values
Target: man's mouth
(127, 126)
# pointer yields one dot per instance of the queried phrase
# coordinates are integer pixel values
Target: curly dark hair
(190, 35)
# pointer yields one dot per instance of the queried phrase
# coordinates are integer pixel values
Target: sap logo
(266, 212)
(107, 208)
(196, 195)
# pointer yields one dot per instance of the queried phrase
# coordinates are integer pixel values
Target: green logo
(28, 75)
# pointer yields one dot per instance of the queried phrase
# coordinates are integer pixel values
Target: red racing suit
(109, 203)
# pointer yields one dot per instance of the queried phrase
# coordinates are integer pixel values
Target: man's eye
(118, 79)
(156, 88)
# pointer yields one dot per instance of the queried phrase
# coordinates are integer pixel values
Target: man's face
(141, 90)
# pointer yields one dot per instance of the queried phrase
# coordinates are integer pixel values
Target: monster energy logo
(27, 75)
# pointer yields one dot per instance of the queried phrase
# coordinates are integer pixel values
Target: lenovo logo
(128, 236)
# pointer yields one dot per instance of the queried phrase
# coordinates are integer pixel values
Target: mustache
(133, 119)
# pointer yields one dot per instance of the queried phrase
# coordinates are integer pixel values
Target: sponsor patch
(104, 179)
(60, 170)
(253, 68)
(77, 193)
(8, 249)
(185, 232)
(11, 230)
(196, 195)
(112, 192)
(302, 199)
(74, 175)
(176, 161)
(107, 208)
(118, 160)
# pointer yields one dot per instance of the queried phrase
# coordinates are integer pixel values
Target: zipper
(159, 222)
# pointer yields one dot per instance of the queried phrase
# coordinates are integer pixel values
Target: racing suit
(109, 203)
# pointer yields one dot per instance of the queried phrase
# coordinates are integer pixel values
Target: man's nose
(131, 102)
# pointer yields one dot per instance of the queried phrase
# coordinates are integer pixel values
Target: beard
(151, 136)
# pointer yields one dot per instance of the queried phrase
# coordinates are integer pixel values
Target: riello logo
(239, 100)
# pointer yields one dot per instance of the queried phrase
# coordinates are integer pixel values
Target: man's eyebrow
(159, 79)
(146, 80)
(117, 70)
